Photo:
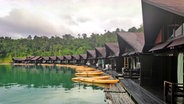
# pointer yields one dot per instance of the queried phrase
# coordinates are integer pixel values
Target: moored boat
(88, 71)
(95, 77)
(104, 81)
(87, 74)
(85, 68)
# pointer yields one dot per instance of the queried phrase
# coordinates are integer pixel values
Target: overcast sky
(20, 18)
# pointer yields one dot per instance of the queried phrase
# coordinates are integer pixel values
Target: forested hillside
(55, 46)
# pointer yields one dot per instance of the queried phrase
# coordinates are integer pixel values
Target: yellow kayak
(87, 68)
(98, 84)
(89, 74)
(101, 77)
(88, 71)
(95, 77)
(101, 81)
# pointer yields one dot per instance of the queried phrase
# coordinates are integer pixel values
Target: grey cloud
(83, 19)
(122, 23)
(74, 20)
(68, 19)
(72, 16)
(25, 22)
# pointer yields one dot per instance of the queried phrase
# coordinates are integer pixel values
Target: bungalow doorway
(180, 75)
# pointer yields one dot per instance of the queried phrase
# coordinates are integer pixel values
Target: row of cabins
(155, 58)
(68, 59)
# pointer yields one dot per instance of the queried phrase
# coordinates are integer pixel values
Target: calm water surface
(45, 85)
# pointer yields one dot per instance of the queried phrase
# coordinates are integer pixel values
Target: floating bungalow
(131, 46)
(83, 59)
(67, 59)
(114, 58)
(91, 58)
(135, 64)
(53, 59)
(28, 59)
(101, 57)
(75, 59)
(45, 60)
(59, 59)
(18, 60)
(36, 60)
(164, 42)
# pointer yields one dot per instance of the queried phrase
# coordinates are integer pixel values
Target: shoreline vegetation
(56, 46)
(5, 60)
(25, 64)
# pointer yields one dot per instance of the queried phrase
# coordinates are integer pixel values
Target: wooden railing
(172, 91)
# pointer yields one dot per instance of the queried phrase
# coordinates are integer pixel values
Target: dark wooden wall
(119, 64)
(156, 69)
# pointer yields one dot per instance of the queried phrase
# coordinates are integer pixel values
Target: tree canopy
(56, 46)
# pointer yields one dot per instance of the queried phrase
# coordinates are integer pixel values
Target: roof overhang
(160, 46)
(177, 42)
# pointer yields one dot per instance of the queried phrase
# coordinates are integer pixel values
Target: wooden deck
(114, 74)
(139, 94)
(116, 94)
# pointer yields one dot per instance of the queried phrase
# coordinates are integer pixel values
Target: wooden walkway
(116, 94)
(114, 74)
(138, 93)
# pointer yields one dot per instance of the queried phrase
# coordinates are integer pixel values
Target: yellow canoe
(98, 84)
(101, 77)
(102, 81)
(88, 71)
(80, 70)
(85, 68)
(89, 74)
(95, 77)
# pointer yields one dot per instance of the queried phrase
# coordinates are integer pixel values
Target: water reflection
(39, 77)
(45, 84)
(36, 76)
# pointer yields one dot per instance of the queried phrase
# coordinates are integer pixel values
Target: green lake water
(45, 85)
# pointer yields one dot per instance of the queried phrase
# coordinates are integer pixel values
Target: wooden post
(172, 93)
(165, 87)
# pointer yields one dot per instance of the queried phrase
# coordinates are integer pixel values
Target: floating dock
(116, 94)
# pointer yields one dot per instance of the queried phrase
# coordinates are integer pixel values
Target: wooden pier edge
(139, 95)
(117, 95)
(129, 93)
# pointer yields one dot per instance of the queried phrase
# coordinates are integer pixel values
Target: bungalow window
(169, 31)
(126, 63)
(180, 75)
(111, 54)
(135, 64)
(179, 31)
(138, 63)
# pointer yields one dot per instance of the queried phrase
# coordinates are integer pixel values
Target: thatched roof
(18, 59)
(29, 58)
(112, 49)
(60, 57)
(177, 42)
(174, 6)
(160, 46)
(75, 57)
(36, 58)
(91, 54)
(100, 52)
(135, 41)
(83, 56)
(53, 57)
(45, 58)
(67, 57)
